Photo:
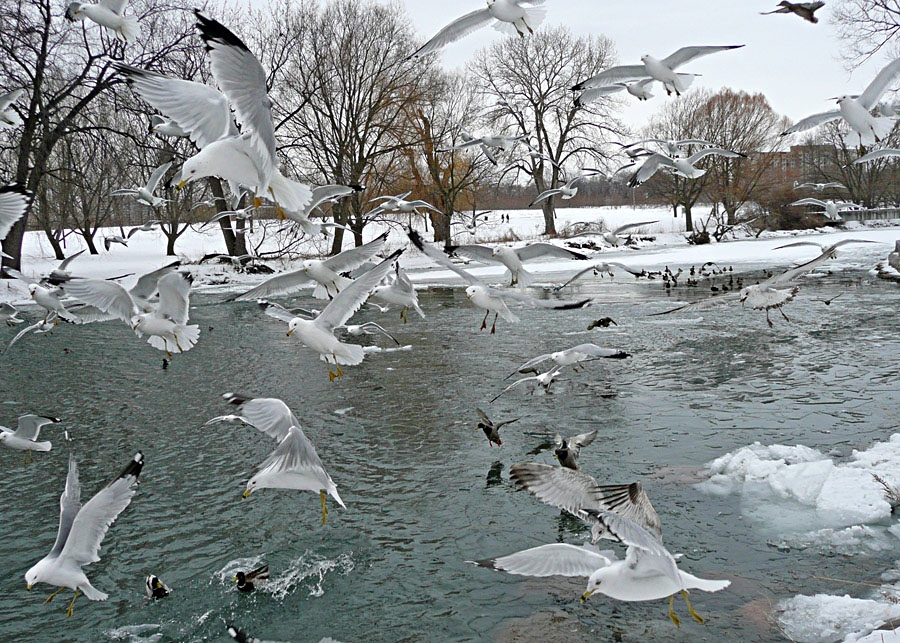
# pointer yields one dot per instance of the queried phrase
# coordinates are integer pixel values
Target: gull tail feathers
(347, 354)
(684, 81)
(289, 195)
(322, 291)
(92, 593)
(130, 31)
(704, 584)
(333, 492)
(41, 446)
(418, 310)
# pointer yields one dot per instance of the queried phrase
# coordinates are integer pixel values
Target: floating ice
(824, 619)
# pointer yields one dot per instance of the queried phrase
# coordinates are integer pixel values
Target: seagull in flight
(656, 69)
(513, 17)
(685, 167)
(8, 118)
(107, 13)
(830, 207)
(144, 194)
(600, 269)
(513, 258)
(639, 89)
(14, 203)
(819, 187)
(565, 191)
(25, 437)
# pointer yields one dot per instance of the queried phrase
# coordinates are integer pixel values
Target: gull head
(32, 289)
(250, 487)
(194, 168)
(136, 321)
(292, 326)
(307, 264)
(745, 292)
(470, 291)
(594, 583)
(31, 577)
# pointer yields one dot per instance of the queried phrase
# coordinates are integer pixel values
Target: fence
(871, 214)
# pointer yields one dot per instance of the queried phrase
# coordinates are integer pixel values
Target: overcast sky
(794, 63)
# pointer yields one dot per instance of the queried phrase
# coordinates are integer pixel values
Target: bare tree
(867, 27)
(530, 81)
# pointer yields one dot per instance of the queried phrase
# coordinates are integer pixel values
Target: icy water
(424, 491)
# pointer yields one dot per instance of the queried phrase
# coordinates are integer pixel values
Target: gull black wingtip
(214, 31)
(416, 238)
(236, 398)
(489, 563)
(133, 468)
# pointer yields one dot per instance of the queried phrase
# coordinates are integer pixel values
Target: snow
(823, 618)
(146, 250)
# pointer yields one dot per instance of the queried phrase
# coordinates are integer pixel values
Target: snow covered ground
(146, 250)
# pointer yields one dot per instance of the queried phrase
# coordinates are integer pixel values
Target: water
(424, 490)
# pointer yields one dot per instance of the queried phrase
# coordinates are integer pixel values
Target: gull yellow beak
(180, 185)
(235, 579)
(29, 587)
(468, 296)
(289, 332)
(243, 497)
(586, 596)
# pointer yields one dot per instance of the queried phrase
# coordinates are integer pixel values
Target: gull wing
(578, 275)
(687, 54)
(694, 141)
(348, 301)
(156, 176)
(295, 453)
(456, 30)
(534, 361)
(514, 385)
(379, 329)
(124, 192)
(14, 203)
(714, 150)
(147, 283)
(877, 154)
(546, 194)
(628, 269)
(108, 296)
(702, 304)
(9, 98)
(64, 264)
(534, 302)
(242, 79)
(556, 559)
(200, 110)
(882, 81)
(592, 350)
(812, 121)
(174, 294)
(809, 201)
(69, 506)
(276, 311)
(441, 259)
(483, 254)
(593, 93)
(267, 414)
(621, 73)
(828, 253)
(30, 426)
(283, 284)
(92, 522)
(629, 226)
(649, 167)
(355, 257)
(116, 6)
(22, 333)
(801, 243)
(535, 250)
(325, 193)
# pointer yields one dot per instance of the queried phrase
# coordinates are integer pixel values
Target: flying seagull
(600, 269)
(572, 357)
(144, 194)
(513, 258)
(401, 292)
(685, 167)
(672, 146)
(81, 530)
(488, 144)
(819, 187)
(805, 10)
(830, 207)
(508, 16)
(25, 437)
(855, 110)
(14, 203)
(541, 380)
(8, 118)
(661, 70)
(166, 127)
(639, 89)
(107, 13)
(565, 191)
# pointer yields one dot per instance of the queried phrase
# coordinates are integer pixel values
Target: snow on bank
(825, 619)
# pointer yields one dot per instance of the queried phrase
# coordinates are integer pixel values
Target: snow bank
(824, 619)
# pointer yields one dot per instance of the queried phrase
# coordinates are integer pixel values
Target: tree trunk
(54, 243)
(89, 241)
(170, 244)
(549, 218)
(441, 223)
(688, 221)
(357, 227)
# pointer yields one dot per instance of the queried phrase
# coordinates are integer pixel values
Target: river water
(424, 490)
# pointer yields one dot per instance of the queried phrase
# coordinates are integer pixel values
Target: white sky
(794, 63)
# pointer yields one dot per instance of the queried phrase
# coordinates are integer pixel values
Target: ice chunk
(824, 618)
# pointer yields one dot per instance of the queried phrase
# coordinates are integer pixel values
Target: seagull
(149, 226)
(541, 380)
(9, 314)
(166, 127)
(330, 194)
(661, 70)
(8, 118)
(877, 154)
(142, 294)
(326, 274)
(681, 166)
(145, 194)
(49, 300)
(115, 238)
(612, 238)
(294, 465)
(61, 272)
(247, 157)
(155, 588)
(491, 429)
(565, 191)
(25, 437)
(855, 111)
(246, 581)
(487, 143)
(831, 208)
(805, 10)
(400, 204)
(818, 187)
(774, 292)
(510, 15)
(567, 451)
(672, 146)
(81, 530)
(165, 325)
(622, 513)
(40, 326)
(639, 89)
(14, 203)
(318, 334)
(483, 296)
(513, 258)
(401, 292)
(572, 357)
(600, 268)
(369, 328)
(107, 13)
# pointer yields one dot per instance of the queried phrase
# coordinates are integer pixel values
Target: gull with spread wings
(25, 437)
(144, 194)
(513, 258)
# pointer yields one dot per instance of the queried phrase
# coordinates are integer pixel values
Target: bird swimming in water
(155, 588)
(246, 581)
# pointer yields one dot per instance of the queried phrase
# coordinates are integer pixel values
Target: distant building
(800, 163)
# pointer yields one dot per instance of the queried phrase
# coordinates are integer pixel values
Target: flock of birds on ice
(157, 306)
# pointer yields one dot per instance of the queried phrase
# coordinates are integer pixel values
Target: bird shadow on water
(494, 475)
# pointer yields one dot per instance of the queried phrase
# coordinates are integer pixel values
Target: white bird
(165, 325)
(541, 380)
(244, 158)
(819, 187)
(600, 269)
(831, 208)
(685, 167)
(487, 143)
(14, 203)
(40, 326)
(326, 274)
(114, 238)
(612, 237)
(294, 464)
(109, 14)
(273, 417)
(61, 272)
(661, 70)
(573, 356)
(483, 296)
(774, 292)
(369, 328)
(400, 204)
(318, 334)
(166, 127)
(9, 314)
(565, 191)
(8, 118)
(622, 513)
(144, 194)
(330, 194)
(856, 111)
(639, 89)
(25, 437)
(46, 298)
(514, 258)
(149, 226)
(510, 15)
(884, 152)
(400, 292)
(672, 146)
(81, 530)
(568, 450)
(142, 294)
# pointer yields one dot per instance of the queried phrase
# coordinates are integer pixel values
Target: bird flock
(232, 128)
